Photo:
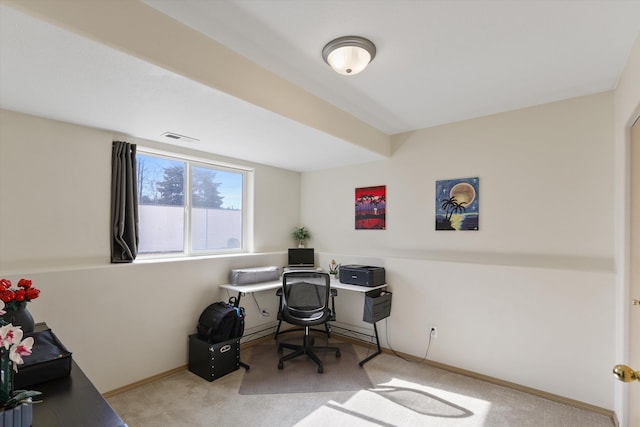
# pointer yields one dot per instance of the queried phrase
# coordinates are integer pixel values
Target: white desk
(243, 290)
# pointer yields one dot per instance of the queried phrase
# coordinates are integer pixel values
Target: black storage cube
(49, 360)
(212, 361)
(377, 305)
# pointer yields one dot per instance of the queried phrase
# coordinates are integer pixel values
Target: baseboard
(256, 341)
(543, 394)
(546, 395)
(144, 381)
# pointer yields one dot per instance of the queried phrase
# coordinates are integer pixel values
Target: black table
(73, 401)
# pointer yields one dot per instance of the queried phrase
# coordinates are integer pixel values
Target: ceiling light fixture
(349, 55)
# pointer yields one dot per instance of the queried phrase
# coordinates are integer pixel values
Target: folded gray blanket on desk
(247, 276)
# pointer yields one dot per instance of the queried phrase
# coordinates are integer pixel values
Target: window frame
(190, 161)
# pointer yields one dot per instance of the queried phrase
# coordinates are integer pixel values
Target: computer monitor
(301, 258)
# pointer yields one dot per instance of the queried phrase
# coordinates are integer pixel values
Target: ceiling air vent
(179, 137)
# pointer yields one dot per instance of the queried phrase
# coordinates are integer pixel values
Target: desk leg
(236, 303)
(362, 362)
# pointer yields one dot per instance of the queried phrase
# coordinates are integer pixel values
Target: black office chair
(327, 326)
(305, 302)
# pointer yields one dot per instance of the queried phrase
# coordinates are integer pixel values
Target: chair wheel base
(320, 369)
(280, 365)
(338, 354)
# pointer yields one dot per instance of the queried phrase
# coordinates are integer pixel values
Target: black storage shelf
(377, 305)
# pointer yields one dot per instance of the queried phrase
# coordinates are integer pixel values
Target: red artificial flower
(24, 283)
(14, 298)
(7, 296)
(19, 295)
(32, 293)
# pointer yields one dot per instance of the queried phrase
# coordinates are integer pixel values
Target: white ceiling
(437, 62)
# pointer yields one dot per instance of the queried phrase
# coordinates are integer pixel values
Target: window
(210, 219)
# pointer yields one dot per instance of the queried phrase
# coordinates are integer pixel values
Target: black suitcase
(212, 361)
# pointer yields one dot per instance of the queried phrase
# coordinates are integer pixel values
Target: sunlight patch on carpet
(401, 403)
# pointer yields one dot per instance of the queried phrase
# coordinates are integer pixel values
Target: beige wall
(529, 297)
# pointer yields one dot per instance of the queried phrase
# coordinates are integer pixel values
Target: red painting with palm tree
(371, 208)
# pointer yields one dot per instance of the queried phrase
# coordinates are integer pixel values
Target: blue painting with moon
(457, 204)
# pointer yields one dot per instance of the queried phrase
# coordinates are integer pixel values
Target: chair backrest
(305, 297)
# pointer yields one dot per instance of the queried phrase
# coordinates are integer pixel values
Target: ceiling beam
(141, 31)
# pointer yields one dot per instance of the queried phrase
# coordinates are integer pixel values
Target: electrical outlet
(434, 332)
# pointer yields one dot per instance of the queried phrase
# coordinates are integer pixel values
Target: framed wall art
(371, 208)
(457, 202)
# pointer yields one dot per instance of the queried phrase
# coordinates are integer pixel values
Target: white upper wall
(546, 179)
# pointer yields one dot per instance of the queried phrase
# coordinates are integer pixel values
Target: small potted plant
(301, 235)
(333, 268)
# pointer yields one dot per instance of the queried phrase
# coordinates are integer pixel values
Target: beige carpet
(300, 375)
(405, 394)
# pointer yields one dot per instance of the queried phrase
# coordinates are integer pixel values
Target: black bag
(221, 321)
(49, 360)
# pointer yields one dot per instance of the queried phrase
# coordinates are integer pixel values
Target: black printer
(363, 275)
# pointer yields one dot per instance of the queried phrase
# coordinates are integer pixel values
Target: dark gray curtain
(124, 203)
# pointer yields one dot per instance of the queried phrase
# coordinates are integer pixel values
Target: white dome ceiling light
(349, 55)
